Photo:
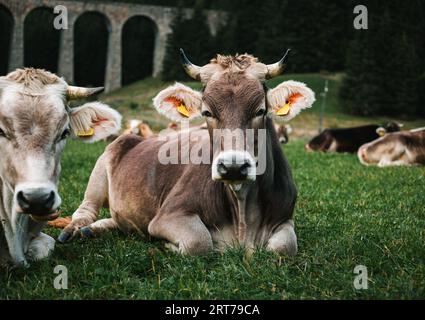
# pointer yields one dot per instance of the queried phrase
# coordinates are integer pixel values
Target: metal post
(322, 108)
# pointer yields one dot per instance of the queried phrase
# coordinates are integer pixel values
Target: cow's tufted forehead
(240, 64)
(32, 90)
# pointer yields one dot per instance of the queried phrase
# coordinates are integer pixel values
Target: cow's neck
(15, 226)
(240, 192)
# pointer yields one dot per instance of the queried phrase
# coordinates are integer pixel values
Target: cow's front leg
(389, 163)
(284, 240)
(40, 247)
(186, 232)
(99, 227)
(94, 199)
(17, 238)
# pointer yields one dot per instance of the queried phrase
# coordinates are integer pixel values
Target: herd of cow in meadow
(397, 148)
(194, 207)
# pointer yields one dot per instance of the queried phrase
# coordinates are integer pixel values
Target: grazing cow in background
(395, 149)
(35, 121)
(283, 131)
(226, 201)
(139, 128)
(348, 139)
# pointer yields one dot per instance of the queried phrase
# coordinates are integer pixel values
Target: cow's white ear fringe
(104, 120)
(192, 100)
(277, 98)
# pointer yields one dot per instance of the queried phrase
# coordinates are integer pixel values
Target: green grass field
(346, 215)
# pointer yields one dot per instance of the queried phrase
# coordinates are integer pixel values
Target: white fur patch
(284, 240)
(417, 129)
(192, 99)
(230, 156)
(41, 247)
(277, 98)
(134, 125)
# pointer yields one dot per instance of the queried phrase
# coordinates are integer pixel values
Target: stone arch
(138, 40)
(41, 40)
(91, 37)
(6, 29)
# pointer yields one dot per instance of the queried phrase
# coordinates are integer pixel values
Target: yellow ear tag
(86, 134)
(284, 110)
(183, 110)
(381, 133)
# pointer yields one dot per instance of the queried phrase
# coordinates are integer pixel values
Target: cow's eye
(206, 113)
(65, 134)
(260, 113)
(2, 134)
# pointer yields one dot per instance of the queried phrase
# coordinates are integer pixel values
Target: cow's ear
(94, 121)
(178, 102)
(381, 131)
(289, 98)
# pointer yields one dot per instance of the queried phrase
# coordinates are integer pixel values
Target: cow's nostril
(221, 168)
(50, 200)
(22, 201)
(244, 168)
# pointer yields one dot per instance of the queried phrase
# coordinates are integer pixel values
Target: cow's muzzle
(283, 140)
(41, 203)
(234, 166)
(308, 148)
(361, 154)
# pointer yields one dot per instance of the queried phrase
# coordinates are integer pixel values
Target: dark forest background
(383, 67)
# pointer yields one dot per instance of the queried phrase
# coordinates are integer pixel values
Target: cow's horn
(276, 69)
(81, 92)
(192, 70)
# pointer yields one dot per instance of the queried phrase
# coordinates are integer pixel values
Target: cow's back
(139, 183)
(351, 139)
(415, 144)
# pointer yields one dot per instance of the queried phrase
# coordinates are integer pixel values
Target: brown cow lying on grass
(404, 148)
(240, 195)
(35, 122)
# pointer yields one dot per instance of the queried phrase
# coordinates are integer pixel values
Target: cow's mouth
(44, 217)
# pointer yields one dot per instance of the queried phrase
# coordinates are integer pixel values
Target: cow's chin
(45, 218)
(40, 216)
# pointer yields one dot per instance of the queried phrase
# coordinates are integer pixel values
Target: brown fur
(398, 148)
(180, 202)
(31, 77)
(239, 62)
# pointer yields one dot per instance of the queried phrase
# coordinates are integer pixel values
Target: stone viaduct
(116, 14)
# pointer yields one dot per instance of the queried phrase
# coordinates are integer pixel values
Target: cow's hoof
(86, 232)
(23, 264)
(41, 247)
(64, 236)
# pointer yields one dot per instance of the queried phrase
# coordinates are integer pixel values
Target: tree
(383, 70)
(174, 40)
(193, 35)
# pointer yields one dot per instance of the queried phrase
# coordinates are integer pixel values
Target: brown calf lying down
(395, 149)
(226, 201)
